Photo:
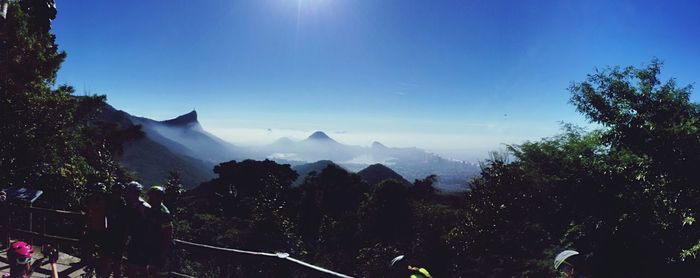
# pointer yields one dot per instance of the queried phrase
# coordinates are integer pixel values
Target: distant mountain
(186, 120)
(377, 173)
(152, 161)
(320, 136)
(181, 143)
(282, 143)
(184, 135)
(410, 163)
(378, 146)
(167, 145)
(318, 146)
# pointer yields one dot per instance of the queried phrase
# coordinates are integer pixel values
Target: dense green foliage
(625, 196)
(48, 137)
(333, 218)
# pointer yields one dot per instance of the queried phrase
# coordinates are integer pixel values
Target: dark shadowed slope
(376, 173)
(186, 136)
(152, 161)
(152, 157)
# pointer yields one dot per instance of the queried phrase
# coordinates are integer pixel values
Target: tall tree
(624, 195)
(45, 131)
(653, 129)
(173, 190)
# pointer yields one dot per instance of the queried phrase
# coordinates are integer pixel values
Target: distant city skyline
(458, 78)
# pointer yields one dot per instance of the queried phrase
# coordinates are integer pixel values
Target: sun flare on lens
(311, 6)
(312, 2)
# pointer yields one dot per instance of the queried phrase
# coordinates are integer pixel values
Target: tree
(173, 190)
(652, 128)
(326, 214)
(45, 131)
(245, 207)
(425, 188)
(386, 214)
(624, 195)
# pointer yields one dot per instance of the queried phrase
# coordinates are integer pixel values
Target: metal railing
(230, 252)
(9, 229)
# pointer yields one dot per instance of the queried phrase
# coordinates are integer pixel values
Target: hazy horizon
(455, 78)
(451, 146)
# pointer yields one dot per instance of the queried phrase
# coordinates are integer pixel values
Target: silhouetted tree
(173, 190)
(45, 131)
(623, 196)
(425, 188)
(386, 214)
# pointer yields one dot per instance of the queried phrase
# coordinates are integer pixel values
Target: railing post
(5, 215)
(31, 219)
(43, 225)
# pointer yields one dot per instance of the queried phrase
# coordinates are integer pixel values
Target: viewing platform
(68, 266)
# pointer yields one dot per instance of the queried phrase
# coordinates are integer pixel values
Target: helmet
(21, 252)
(396, 260)
(117, 186)
(156, 189)
(561, 257)
(134, 185)
(98, 188)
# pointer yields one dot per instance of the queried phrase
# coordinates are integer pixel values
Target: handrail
(46, 210)
(219, 249)
(317, 268)
(279, 255)
(43, 213)
(52, 211)
(35, 235)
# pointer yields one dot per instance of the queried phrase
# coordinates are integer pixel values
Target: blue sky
(459, 78)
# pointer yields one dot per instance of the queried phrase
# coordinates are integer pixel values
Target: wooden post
(5, 214)
(43, 227)
(30, 223)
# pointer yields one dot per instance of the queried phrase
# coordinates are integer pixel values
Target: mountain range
(410, 163)
(182, 144)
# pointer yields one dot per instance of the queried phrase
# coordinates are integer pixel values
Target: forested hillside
(625, 196)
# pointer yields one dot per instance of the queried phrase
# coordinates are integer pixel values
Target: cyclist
(96, 230)
(115, 241)
(137, 250)
(160, 232)
(19, 257)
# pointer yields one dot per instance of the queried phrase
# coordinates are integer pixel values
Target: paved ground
(68, 266)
